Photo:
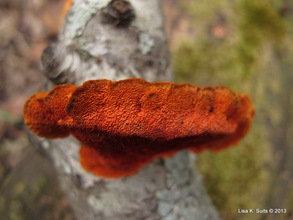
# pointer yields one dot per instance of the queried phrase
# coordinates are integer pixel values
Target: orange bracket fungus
(124, 125)
(67, 5)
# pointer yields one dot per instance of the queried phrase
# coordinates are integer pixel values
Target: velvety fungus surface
(124, 125)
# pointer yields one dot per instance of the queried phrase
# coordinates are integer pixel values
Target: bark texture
(117, 40)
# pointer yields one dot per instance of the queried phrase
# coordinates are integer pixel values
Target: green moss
(260, 23)
(235, 58)
(235, 178)
(238, 177)
(187, 61)
(207, 63)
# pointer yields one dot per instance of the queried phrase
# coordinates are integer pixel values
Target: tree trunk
(117, 40)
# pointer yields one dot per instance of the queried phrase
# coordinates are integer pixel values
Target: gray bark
(94, 45)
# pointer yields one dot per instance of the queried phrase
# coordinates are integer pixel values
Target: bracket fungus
(124, 125)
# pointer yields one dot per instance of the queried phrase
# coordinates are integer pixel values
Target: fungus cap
(124, 125)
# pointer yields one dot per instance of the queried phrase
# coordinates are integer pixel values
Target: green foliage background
(255, 56)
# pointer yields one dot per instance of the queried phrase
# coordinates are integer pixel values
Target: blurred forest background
(244, 44)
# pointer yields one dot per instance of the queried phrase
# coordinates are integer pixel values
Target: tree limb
(103, 40)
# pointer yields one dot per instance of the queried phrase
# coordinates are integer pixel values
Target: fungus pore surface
(124, 125)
